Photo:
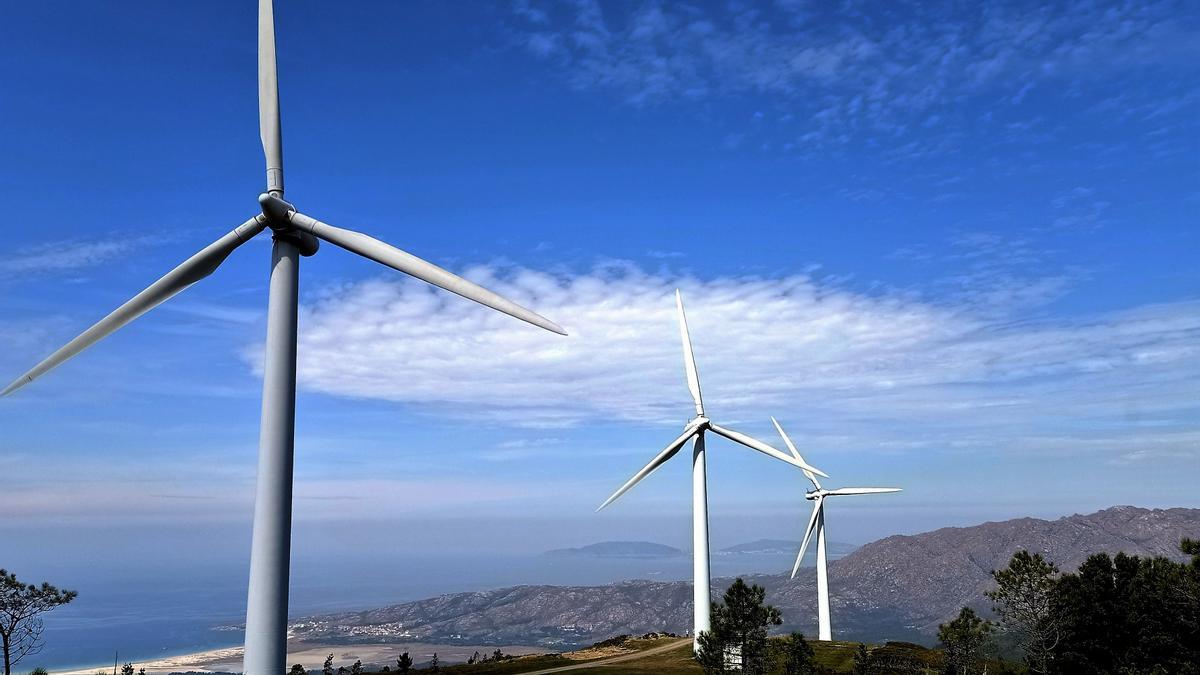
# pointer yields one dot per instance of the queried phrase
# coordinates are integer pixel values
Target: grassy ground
(527, 664)
(836, 657)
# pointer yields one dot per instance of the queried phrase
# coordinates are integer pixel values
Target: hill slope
(898, 587)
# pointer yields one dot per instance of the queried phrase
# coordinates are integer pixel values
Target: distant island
(619, 549)
(647, 549)
(772, 546)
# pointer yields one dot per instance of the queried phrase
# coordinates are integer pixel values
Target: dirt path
(616, 659)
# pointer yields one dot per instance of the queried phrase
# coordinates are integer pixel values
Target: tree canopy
(21, 607)
(1115, 615)
(739, 629)
(967, 642)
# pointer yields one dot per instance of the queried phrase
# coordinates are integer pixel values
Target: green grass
(836, 657)
(522, 664)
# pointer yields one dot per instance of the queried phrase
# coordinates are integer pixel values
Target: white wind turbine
(701, 592)
(816, 523)
(294, 234)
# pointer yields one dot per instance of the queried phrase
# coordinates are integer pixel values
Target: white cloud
(848, 73)
(69, 255)
(887, 370)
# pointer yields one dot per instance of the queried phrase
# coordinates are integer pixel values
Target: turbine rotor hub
(278, 213)
(699, 422)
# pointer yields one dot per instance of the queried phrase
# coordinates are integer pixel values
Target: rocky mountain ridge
(899, 587)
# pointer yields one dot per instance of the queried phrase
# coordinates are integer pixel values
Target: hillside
(899, 587)
(924, 579)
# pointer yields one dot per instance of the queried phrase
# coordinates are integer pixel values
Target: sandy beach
(311, 656)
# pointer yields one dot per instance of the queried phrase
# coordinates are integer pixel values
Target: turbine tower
(701, 592)
(295, 234)
(816, 523)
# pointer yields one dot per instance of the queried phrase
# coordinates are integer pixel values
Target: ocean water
(143, 611)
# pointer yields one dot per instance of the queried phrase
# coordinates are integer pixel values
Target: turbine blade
(385, 254)
(862, 491)
(808, 531)
(268, 97)
(189, 272)
(689, 359)
(763, 448)
(796, 453)
(667, 453)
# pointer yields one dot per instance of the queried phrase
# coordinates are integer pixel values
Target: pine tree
(739, 626)
(798, 656)
(1022, 597)
(21, 607)
(862, 661)
(967, 641)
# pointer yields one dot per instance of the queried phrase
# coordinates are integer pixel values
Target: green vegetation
(739, 631)
(1121, 614)
(21, 607)
(1022, 597)
(827, 658)
(967, 641)
(797, 657)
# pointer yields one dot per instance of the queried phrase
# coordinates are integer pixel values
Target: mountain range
(899, 587)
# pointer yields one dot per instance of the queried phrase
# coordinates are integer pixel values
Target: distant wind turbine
(696, 428)
(294, 234)
(816, 523)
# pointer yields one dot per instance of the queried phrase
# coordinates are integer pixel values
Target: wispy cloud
(860, 369)
(69, 255)
(847, 73)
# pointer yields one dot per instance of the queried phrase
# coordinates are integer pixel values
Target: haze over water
(146, 611)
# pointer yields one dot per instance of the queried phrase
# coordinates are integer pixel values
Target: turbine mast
(701, 579)
(824, 631)
(270, 551)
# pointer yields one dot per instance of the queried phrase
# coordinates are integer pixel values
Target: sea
(142, 611)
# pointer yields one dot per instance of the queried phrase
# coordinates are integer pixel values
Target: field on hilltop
(674, 655)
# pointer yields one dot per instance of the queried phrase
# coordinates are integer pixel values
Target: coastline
(312, 656)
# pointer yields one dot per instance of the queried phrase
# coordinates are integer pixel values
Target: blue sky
(951, 247)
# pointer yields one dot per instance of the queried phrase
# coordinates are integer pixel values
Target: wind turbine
(696, 428)
(295, 234)
(816, 523)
